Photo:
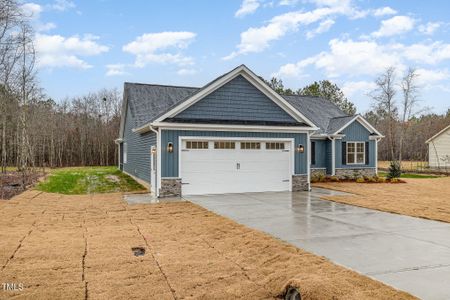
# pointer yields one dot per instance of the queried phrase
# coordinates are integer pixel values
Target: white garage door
(231, 166)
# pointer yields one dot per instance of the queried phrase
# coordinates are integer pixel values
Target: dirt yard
(424, 198)
(79, 247)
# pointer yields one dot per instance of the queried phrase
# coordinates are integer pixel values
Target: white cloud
(40, 27)
(160, 47)
(384, 11)
(247, 7)
(116, 69)
(288, 2)
(394, 26)
(428, 77)
(429, 28)
(323, 27)
(59, 51)
(427, 53)
(351, 88)
(257, 39)
(348, 57)
(185, 72)
(31, 10)
(62, 5)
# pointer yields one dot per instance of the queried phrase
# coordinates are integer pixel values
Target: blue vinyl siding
(138, 146)
(355, 132)
(169, 161)
(237, 100)
(321, 153)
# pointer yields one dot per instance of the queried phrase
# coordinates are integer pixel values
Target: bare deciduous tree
(384, 97)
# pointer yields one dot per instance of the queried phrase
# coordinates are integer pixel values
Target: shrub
(372, 179)
(356, 175)
(381, 180)
(360, 180)
(394, 180)
(394, 170)
(334, 178)
(319, 177)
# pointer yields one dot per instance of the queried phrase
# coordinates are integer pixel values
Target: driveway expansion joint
(408, 269)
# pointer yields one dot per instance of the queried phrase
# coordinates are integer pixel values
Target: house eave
(221, 127)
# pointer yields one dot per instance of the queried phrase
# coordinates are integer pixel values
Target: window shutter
(313, 153)
(367, 153)
(344, 153)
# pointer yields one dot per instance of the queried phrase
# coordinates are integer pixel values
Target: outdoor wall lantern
(300, 148)
(153, 150)
(170, 147)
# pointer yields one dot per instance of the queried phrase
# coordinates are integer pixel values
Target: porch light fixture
(153, 150)
(170, 147)
(300, 148)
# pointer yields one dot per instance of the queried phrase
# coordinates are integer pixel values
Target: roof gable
(237, 100)
(224, 79)
(438, 134)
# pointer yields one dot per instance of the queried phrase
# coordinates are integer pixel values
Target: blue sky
(83, 46)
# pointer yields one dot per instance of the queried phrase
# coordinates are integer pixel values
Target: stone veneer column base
(300, 183)
(341, 173)
(170, 187)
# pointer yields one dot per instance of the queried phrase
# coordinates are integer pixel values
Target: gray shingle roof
(147, 102)
(320, 111)
(337, 123)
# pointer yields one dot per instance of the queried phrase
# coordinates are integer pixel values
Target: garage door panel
(209, 171)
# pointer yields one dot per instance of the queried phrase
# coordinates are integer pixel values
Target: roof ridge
(347, 116)
(162, 85)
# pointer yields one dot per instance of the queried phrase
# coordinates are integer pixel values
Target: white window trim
(356, 152)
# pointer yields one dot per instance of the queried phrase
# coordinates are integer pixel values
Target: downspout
(158, 157)
(333, 155)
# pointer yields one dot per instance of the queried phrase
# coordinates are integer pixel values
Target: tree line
(36, 130)
(396, 112)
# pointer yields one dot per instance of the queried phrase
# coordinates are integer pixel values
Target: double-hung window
(356, 153)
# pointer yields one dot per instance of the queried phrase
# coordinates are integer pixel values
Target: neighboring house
(237, 135)
(439, 149)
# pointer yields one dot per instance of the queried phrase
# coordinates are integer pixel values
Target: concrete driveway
(408, 253)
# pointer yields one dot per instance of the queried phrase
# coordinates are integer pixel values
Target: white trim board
(219, 127)
(253, 79)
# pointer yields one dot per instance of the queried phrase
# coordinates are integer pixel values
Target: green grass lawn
(409, 175)
(86, 180)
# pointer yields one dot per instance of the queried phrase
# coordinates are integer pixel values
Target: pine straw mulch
(79, 247)
(427, 198)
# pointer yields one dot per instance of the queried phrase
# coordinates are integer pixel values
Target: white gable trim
(363, 122)
(253, 79)
(437, 134)
(124, 112)
(220, 127)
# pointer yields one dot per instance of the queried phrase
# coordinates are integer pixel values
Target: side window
(197, 145)
(356, 153)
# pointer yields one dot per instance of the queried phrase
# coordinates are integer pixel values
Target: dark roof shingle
(147, 102)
